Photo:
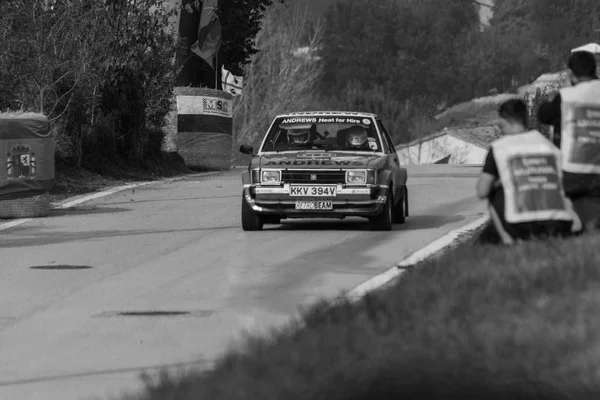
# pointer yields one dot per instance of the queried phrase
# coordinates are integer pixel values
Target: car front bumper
(350, 201)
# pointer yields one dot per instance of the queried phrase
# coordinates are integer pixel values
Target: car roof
(328, 113)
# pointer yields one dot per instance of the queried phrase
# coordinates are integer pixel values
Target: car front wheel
(400, 209)
(384, 221)
(272, 219)
(251, 221)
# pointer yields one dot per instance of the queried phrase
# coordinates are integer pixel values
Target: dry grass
(484, 110)
(480, 322)
(478, 112)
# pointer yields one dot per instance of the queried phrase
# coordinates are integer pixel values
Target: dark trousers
(530, 230)
(588, 210)
(501, 231)
(489, 234)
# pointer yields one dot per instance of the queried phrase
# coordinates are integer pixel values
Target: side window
(388, 146)
(392, 147)
(385, 144)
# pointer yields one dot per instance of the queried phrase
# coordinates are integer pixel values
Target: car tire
(251, 221)
(272, 219)
(401, 209)
(406, 212)
(384, 221)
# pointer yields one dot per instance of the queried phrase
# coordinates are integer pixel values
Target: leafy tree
(359, 43)
(535, 36)
(405, 50)
(240, 23)
(241, 20)
(139, 64)
(276, 81)
(571, 23)
(89, 62)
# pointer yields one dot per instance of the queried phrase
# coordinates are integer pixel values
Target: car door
(392, 156)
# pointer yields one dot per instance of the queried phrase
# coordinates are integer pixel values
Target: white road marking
(94, 196)
(420, 255)
(73, 201)
(386, 277)
(13, 223)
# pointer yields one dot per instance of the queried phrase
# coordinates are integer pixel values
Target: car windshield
(342, 133)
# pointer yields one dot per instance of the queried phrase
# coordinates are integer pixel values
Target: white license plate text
(313, 191)
(314, 205)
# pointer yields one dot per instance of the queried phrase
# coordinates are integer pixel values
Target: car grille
(304, 176)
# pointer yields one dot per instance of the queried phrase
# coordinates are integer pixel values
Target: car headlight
(360, 177)
(356, 177)
(270, 177)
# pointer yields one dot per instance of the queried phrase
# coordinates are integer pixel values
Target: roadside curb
(418, 256)
(76, 200)
(389, 276)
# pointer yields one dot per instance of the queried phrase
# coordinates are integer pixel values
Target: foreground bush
(491, 322)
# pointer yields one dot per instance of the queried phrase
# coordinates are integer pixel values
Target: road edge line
(11, 224)
(76, 200)
(420, 255)
(73, 201)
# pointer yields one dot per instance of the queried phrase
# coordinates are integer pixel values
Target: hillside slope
(483, 111)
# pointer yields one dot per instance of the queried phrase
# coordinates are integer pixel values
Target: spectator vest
(580, 111)
(529, 169)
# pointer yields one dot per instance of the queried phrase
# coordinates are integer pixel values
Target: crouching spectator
(575, 115)
(522, 180)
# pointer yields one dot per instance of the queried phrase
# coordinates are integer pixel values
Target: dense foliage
(240, 23)
(408, 60)
(276, 80)
(104, 70)
(101, 70)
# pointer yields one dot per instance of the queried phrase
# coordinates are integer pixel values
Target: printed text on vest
(529, 169)
(581, 128)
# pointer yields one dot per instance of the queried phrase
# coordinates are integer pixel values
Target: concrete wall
(434, 149)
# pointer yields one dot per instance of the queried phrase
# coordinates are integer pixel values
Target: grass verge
(481, 322)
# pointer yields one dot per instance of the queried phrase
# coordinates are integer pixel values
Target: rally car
(324, 165)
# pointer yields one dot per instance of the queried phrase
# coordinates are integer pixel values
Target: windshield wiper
(304, 146)
(345, 149)
(322, 146)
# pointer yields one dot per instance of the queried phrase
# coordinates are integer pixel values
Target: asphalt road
(180, 247)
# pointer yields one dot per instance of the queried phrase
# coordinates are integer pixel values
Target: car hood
(319, 159)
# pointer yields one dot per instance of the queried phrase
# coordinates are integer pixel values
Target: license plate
(313, 191)
(314, 205)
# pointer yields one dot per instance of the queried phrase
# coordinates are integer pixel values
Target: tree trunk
(79, 151)
(113, 137)
(41, 100)
(134, 153)
(90, 129)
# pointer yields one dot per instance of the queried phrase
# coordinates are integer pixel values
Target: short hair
(583, 64)
(514, 110)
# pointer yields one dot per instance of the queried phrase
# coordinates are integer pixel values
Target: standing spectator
(575, 115)
(521, 179)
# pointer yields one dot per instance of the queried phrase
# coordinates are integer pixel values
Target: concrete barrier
(28, 172)
(201, 128)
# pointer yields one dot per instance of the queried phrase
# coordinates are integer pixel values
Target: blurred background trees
(104, 70)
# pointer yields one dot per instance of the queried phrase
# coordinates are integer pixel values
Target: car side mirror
(247, 149)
